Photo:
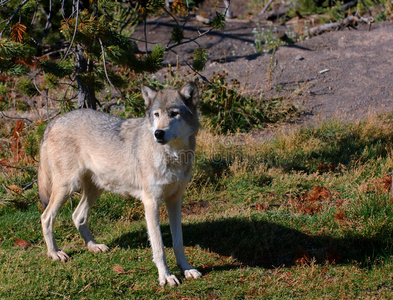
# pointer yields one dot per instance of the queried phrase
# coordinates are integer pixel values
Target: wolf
(148, 158)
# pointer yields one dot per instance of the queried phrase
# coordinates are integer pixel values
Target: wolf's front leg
(174, 213)
(154, 232)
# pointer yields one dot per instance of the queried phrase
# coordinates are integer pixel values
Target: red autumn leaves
(317, 198)
(312, 201)
(22, 243)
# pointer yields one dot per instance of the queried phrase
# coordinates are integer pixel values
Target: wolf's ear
(190, 94)
(148, 94)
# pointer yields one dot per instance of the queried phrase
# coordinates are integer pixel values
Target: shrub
(225, 110)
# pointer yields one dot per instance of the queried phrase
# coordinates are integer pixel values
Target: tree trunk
(86, 91)
(84, 68)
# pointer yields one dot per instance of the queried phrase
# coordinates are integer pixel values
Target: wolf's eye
(173, 114)
(156, 114)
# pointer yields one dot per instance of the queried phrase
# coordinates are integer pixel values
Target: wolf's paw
(58, 255)
(192, 274)
(171, 280)
(94, 247)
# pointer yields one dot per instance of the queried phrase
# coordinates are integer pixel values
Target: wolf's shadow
(268, 245)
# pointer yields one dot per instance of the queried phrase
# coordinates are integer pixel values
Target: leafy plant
(26, 86)
(200, 59)
(32, 145)
(268, 39)
(177, 34)
(219, 21)
(225, 110)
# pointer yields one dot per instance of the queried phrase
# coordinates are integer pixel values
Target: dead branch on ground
(351, 21)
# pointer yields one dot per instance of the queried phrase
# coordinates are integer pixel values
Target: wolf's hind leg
(90, 194)
(57, 199)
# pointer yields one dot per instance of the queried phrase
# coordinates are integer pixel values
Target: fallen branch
(275, 14)
(351, 21)
(349, 5)
(266, 7)
(277, 11)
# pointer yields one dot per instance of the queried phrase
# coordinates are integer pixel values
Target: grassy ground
(308, 214)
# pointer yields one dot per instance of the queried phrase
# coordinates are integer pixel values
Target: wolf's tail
(44, 178)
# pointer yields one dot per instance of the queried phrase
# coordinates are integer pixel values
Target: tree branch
(199, 74)
(190, 40)
(13, 15)
(46, 96)
(75, 29)
(4, 2)
(48, 24)
(15, 118)
(18, 168)
(104, 63)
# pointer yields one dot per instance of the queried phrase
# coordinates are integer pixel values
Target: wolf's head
(172, 113)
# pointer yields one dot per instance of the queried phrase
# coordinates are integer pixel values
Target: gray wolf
(148, 158)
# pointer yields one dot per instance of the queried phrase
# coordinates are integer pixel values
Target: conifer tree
(91, 37)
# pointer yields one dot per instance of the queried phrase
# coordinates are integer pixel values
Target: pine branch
(13, 15)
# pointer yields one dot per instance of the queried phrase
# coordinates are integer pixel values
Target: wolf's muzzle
(160, 136)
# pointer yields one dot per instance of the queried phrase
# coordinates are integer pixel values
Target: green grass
(306, 215)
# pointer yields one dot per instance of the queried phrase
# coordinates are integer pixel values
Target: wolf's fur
(148, 158)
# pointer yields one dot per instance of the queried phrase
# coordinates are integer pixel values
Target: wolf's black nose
(159, 134)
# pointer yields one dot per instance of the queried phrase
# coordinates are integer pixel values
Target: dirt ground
(343, 74)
